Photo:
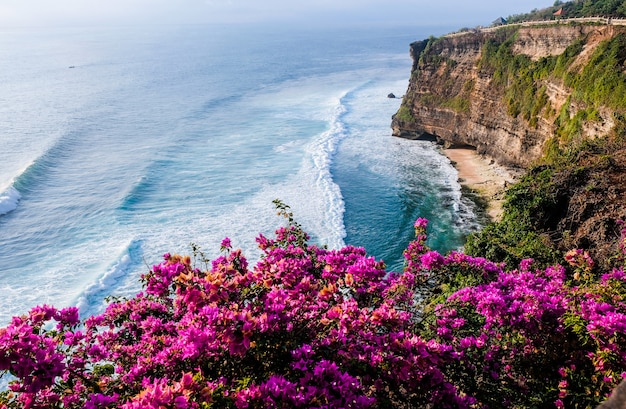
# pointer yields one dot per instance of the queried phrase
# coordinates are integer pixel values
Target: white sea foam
(9, 200)
(322, 149)
(415, 165)
(91, 301)
(287, 147)
(179, 174)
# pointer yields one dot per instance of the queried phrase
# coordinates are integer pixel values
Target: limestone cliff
(551, 95)
(455, 97)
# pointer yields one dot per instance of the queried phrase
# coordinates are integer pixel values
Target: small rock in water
(391, 95)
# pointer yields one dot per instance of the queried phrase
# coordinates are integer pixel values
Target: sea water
(119, 144)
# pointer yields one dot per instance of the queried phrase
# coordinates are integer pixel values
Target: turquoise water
(121, 144)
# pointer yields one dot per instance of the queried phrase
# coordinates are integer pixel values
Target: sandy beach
(483, 176)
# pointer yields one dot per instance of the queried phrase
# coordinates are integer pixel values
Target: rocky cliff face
(525, 96)
(453, 98)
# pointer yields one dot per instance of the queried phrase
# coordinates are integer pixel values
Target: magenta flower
(311, 327)
(420, 223)
(226, 244)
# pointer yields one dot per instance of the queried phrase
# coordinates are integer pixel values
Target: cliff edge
(457, 96)
(549, 99)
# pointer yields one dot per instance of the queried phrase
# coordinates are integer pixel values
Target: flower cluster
(308, 327)
(531, 334)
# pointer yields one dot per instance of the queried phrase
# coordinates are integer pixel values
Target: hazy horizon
(44, 13)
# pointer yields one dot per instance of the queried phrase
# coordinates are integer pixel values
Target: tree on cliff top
(578, 8)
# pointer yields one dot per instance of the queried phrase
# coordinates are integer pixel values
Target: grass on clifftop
(522, 82)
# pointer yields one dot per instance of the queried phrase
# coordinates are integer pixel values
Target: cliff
(550, 99)
(456, 96)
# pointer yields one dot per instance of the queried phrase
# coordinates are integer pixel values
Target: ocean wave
(322, 150)
(465, 215)
(9, 200)
(314, 197)
(136, 194)
(10, 197)
(42, 167)
(91, 301)
(458, 207)
(147, 185)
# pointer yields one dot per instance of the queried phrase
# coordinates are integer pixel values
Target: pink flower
(100, 401)
(432, 260)
(310, 326)
(226, 244)
(420, 223)
(67, 317)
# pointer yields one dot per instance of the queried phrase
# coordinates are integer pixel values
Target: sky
(461, 13)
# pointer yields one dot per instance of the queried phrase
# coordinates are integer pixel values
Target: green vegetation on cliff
(575, 201)
(404, 114)
(457, 94)
(572, 197)
(600, 83)
(518, 76)
(520, 234)
(577, 8)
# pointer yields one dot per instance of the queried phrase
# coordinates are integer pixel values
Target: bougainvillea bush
(309, 327)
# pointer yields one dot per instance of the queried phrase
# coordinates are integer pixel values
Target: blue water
(121, 144)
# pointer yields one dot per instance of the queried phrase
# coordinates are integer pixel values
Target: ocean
(119, 144)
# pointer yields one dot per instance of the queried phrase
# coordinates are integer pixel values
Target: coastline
(482, 177)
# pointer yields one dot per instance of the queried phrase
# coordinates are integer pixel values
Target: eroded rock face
(451, 98)
(551, 40)
(617, 399)
(449, 70)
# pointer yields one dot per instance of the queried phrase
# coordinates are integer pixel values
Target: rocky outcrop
(617, 399)
(452, 98)
(504, 91)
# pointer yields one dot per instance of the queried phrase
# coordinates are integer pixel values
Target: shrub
(309, 327)
(404, 114)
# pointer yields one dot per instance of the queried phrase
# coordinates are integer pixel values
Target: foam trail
(9, 200)
(91, 301)
(322, 151)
